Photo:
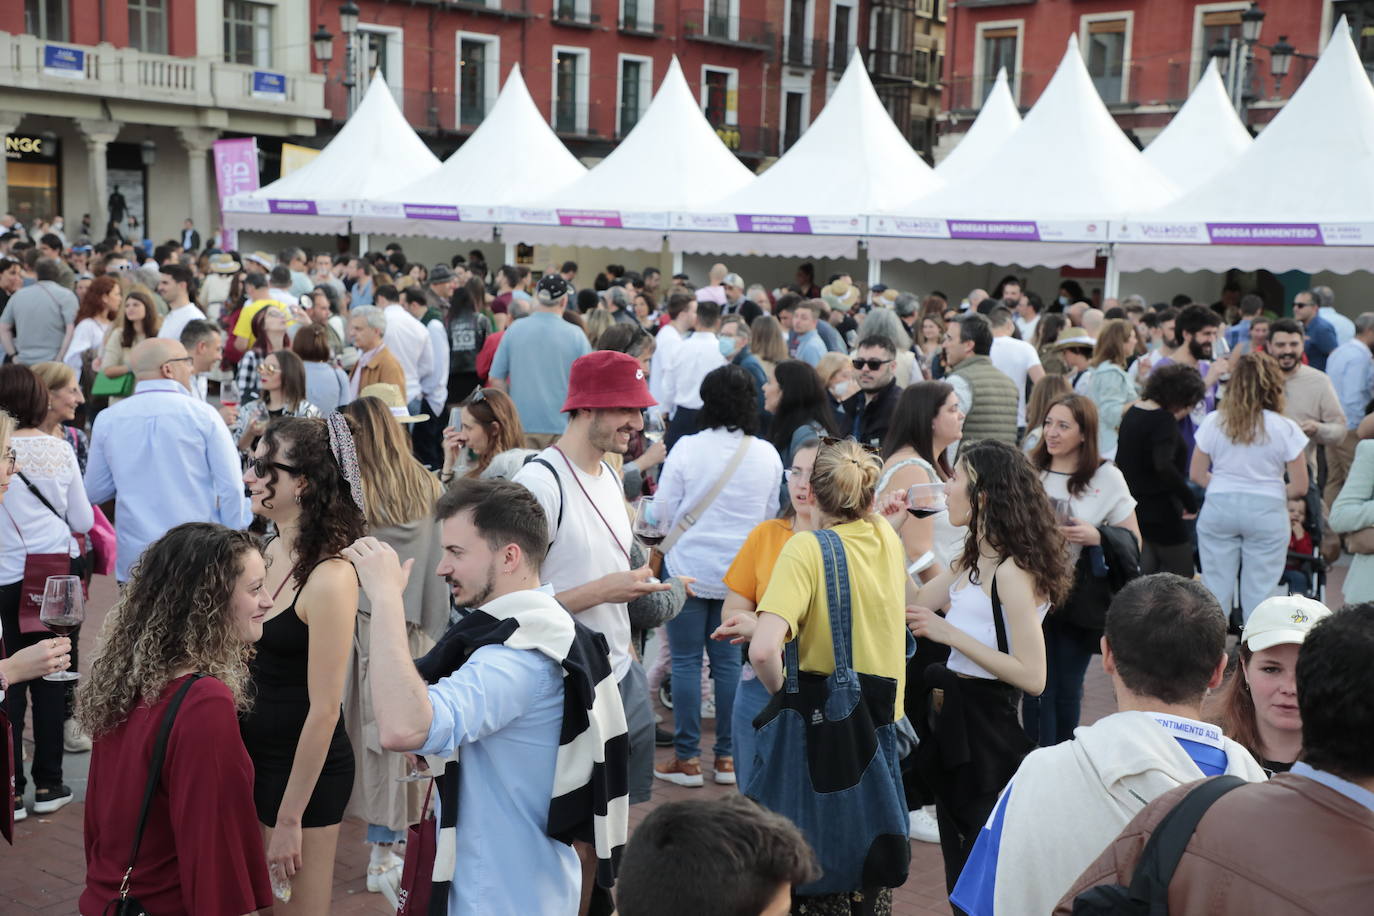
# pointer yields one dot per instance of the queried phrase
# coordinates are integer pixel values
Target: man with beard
(1310, 400)
(1195, 331)
(875, 365)
(507, 688)
(590, 540)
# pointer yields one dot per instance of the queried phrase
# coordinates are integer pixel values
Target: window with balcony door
(630, 18)
(921, 72)
(718, 13)
(567, 67)
(717, 95)
(1107, 58)
(999, 50)
(840, 36)
(631, 94)
(472, 82)
(248, 33)
(793, 115)
(796, 31)
(1360, 15)
(1220, 25)
(148, 25)
(46, 19)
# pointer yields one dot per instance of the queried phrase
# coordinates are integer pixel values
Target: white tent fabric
(985, 139)
(672, 160)
(1300, 198)
(376, 151)
(850, 161)
(512, 157)
(1065, 172)
(1204, 137)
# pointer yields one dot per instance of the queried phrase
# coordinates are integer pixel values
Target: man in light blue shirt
(163, 455)
(1351, 369)
(534, 359)
(810, 346)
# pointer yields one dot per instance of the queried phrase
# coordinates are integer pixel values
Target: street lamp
(1280, 59)
(348, 17)
(147, 151)
(1251, 22)
(324, 46)
(348, 24)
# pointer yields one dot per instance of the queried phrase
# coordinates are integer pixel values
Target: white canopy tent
(1204, 136)
(810, 202)
(1045, 199)
(376, 151)
(988, 135)
(672, 160)
(512, 157)
(1301, 197)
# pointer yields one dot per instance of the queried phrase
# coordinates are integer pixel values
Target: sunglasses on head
(872, 365)
(477, 395)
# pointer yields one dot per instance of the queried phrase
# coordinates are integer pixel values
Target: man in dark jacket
(870, 411)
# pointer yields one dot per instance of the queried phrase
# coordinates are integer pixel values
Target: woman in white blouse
(99, 306)
(728, 419)
(48, 467)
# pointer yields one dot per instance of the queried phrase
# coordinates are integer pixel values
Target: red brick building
(1144, 55)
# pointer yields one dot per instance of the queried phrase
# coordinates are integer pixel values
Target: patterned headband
(341, 444)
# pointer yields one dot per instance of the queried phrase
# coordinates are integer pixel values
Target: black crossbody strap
(999, 622)
(41, 498)
(155, 775)
(1163, 852)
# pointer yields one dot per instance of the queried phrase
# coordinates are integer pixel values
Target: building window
(797, 18)
(478, 74)
(46, 19)
(1220, 26)
(1106, 52)
(718, 15)
(1360, 15)
(921, 72)
(148, 26)
(715, 91)
(999, 50)
(637, 15)
(793, 119)
(570, 72)
(840, 35)
(248, 33)
(636, 88)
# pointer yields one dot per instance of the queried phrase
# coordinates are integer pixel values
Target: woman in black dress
(303, 478)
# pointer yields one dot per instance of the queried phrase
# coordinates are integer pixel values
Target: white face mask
(842, 390)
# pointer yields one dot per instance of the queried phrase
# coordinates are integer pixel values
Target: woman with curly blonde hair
(1240, 456)
(171, 634)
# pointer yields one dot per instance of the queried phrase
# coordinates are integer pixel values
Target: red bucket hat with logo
(607, 380)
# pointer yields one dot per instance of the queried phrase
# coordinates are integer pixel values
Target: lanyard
(577, 480)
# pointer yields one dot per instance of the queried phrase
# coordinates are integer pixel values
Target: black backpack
(1148, 894)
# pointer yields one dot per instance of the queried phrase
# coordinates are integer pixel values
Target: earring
(298, 499)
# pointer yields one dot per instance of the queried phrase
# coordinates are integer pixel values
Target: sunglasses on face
(11, 457)
(261, 466)
(872, 365)
(266, 369)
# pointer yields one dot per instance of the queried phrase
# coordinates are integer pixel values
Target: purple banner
(1006, 230)
(303, 207)
(236, 171)
(604, 219)
(431, 211)
(1265, 234)
(799, 225)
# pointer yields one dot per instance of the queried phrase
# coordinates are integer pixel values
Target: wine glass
(654, 427)
(925, 499)
(650, 527)
(62, 612)
(1063, 511)
(415, 774)
(229, 393)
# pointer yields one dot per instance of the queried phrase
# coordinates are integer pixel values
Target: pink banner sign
(236, 171)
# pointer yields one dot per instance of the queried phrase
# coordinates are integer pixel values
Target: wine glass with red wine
(925, 499)
(650, 527)
(62, 612)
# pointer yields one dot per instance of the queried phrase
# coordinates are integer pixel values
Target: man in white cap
(736, 303)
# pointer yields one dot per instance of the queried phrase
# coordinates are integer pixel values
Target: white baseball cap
(1277, 621)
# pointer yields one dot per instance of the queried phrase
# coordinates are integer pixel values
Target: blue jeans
(376, 833)
(1051, 717)
(750, 699)
(688, 633)
(1245, 534)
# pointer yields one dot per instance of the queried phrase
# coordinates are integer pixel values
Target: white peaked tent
(1045, 199)
(374, 152)
(1300, 198)
(810, 203)
(672, 160)
(1204, 137)
(513, 156)
(997, 120)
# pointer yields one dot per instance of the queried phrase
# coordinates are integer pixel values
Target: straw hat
(224, 264)
(260, 258)
(840, 295)
(1072, 338)
(391, 396)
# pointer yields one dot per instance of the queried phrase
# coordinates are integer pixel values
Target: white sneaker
(383, 870)
(708, 708)
(924, 827)
(74, 740)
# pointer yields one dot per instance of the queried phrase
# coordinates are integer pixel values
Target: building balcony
(748, 142)
(106, 72)
(575, 15)
(501, 9)
(733, 31)
(801, 52)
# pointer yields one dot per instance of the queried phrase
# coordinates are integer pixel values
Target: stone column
(197, 142)
(97, 135)
(9, 123)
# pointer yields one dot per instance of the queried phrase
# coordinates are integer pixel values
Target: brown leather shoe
(682, 772)
(725, 771)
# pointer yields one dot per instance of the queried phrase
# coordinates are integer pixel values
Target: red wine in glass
(63, 609)
(923, 511)
(925, 499)
(62, 626)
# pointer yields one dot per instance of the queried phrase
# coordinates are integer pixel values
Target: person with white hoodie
(1164, 647)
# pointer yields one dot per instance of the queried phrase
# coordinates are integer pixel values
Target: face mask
(1064, 300)
(842, 390)
(727, 346)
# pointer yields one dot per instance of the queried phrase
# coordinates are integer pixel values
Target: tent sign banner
(600, 219)
(1245, 233)
(990, 230)
(769, 223)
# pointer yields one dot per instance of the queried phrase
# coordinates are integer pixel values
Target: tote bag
(827, 756)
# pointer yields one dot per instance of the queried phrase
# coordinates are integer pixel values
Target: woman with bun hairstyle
(795, 606)
(1014, 566)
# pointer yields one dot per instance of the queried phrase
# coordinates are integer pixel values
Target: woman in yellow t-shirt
(747, 580)
(794, 605)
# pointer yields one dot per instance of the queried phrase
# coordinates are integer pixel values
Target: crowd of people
(374, 522)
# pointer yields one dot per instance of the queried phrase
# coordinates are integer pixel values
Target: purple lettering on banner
(303, 207)
(1003, 230)
(798, 225)
(1265, 234)
(603, 219)
(431, 211)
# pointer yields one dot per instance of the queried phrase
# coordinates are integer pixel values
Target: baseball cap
(878, 288)
(1277, 621)
(734, 280)
(607, 380)
(551, 288)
